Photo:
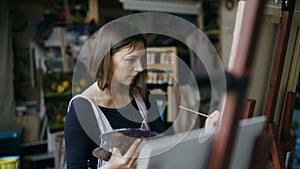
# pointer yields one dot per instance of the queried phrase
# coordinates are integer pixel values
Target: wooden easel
(280, 147)
(249, 108)
(276, 74)
(288, 143)
(224, 139)
(221, 151)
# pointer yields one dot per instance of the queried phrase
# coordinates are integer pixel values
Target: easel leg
(288, 142)
(276, 151)
(260, 154)
(249, 108)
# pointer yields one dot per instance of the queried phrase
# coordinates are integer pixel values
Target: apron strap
(102, 121)
(142, 109)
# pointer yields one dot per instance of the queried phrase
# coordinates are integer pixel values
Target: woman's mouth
(131, 77)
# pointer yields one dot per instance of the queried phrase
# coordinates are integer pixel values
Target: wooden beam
(225, 136)
(277, 154)
(261, 151)
(278, 62)
(249, 108)
(93, 9)
(288, 116)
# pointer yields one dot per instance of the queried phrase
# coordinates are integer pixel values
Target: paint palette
(122, 139)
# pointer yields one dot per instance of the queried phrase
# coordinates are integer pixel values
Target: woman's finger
(116, 152)
(137, 152)
(115, 160)
(133, 148)
(134, 165)
(133, 160)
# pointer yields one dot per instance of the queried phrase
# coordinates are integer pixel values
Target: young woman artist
(118, 99)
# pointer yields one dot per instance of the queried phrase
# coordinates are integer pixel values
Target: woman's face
(127, 63)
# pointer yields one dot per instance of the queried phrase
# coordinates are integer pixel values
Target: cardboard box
(30, 127)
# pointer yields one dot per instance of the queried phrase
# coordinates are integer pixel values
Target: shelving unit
(162, 77)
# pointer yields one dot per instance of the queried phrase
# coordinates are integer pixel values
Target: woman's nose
(139, 66)
(138, 69)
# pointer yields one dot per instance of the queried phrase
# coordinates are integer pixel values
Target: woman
(117, 99)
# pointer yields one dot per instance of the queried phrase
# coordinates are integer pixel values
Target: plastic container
(10, 162)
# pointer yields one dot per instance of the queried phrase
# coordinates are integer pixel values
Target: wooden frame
(222, 146)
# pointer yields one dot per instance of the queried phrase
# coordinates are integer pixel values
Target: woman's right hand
(212, 122)
(126, 161)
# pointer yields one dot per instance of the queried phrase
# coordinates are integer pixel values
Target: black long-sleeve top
(79, 145)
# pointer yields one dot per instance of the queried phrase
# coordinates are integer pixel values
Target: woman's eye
(130, 60)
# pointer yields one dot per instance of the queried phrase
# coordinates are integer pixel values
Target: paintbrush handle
(193, 111)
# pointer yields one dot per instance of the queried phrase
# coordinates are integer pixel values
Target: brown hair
(109, 40)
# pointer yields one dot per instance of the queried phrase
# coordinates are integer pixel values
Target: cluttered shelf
(60, 37)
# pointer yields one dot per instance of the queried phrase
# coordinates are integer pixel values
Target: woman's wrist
(107, 166)
(104, 167)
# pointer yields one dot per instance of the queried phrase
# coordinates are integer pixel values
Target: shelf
(166, 67)
(179, 7)
(155, 92)
(160, 80)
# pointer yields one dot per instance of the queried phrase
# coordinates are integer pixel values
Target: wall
(262, 66)
(227, 20)
(261, 72)
(7, 102)
(7, 98)
(34, 14)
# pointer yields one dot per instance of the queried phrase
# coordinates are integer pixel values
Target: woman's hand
(212, 121)
(126, 161)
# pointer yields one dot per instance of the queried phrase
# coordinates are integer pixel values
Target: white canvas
(191, 150)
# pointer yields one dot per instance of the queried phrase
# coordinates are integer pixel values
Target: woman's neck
(116, 97)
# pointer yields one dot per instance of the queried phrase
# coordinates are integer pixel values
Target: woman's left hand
(126, 161)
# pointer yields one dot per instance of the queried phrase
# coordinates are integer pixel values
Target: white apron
(104, 124)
